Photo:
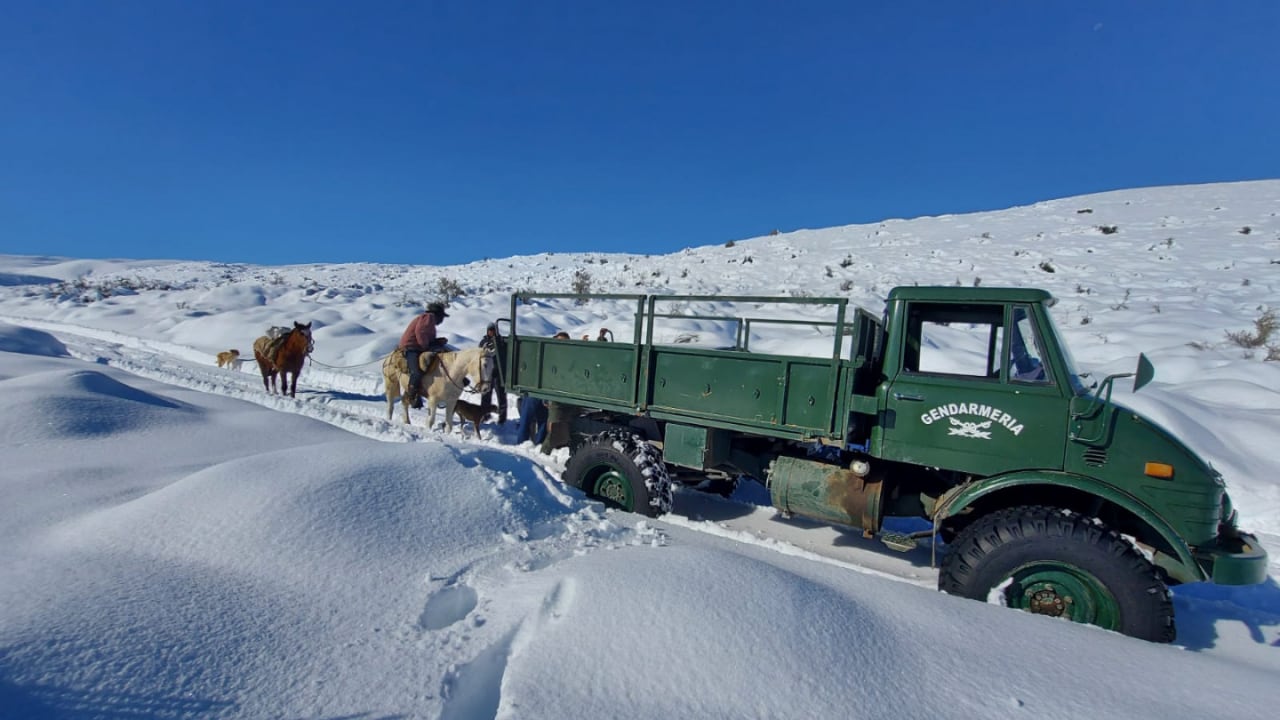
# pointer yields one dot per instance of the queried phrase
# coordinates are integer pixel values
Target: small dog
(229, 359)
(469, 411)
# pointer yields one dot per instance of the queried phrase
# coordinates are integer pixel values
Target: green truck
(960, 407)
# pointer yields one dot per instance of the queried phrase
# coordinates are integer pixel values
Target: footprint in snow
(451, 604)
(474, 691)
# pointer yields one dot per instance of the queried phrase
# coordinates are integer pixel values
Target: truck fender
(1182, 566)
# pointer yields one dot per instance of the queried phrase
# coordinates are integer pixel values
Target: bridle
(311, 342)
(283, 342)
(484, 382)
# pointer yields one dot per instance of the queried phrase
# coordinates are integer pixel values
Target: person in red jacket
(420, 337)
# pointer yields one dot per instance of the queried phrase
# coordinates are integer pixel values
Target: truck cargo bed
(733, 388)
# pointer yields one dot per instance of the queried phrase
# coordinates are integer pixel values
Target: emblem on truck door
(970, 429)
(977, 428)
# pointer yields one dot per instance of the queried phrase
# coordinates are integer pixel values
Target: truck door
(973, 391)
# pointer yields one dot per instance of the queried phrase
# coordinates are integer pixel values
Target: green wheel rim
(612, 485)
(1062, 590)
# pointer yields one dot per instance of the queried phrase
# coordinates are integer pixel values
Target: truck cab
(1012, 422)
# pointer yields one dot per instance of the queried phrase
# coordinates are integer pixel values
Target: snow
(177, 543)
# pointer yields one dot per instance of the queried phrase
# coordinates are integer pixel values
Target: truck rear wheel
(622, 470)
(1049, 562)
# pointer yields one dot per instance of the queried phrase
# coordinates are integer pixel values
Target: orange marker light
(1158, 470)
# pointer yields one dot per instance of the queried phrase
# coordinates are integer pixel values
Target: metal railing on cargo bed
(780, 395)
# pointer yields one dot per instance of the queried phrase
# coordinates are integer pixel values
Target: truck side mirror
(1146, 372)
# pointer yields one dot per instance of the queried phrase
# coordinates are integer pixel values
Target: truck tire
(623, 471)
(1050, 562)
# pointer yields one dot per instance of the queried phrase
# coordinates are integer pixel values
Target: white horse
(441, 385)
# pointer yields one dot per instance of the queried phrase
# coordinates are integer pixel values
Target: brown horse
(285, 356)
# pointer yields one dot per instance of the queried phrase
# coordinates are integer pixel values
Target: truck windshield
(1068, 362)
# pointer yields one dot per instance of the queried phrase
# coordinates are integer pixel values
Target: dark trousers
(559, 418)
(533, 420)
(486, 400)
(415, 372)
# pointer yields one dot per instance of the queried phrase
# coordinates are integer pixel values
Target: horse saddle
(397, 360)
(275, 338)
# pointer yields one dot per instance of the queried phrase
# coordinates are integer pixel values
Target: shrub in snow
(1123, 304)
(581, 283)
(449, 289)
(1263, 328)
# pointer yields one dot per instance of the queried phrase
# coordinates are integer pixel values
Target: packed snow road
(352, 399)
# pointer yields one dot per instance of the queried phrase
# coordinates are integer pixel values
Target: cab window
(954, 339)
(969, 340)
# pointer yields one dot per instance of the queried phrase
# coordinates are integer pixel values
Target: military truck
(961, 407)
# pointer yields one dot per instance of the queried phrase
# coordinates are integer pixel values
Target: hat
(436, 308)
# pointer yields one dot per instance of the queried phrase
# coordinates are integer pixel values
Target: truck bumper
(1239, 560)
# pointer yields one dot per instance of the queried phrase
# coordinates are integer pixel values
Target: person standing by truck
(533, 420)
(490, 342)
(535, 415)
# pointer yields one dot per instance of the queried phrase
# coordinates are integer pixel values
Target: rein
(444, 370)
(342, 367)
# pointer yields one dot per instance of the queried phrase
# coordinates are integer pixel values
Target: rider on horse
(418, 338)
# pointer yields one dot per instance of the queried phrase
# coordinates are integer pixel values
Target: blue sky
(444, 132)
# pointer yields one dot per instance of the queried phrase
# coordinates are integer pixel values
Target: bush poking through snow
(1263, 328)
(449, 289)
(83, 291)
(581, 283)
(1123, 304)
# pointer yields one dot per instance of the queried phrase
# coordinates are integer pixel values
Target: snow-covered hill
(181, 543)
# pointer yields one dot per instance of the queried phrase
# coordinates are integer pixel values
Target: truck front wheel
(623, 470)
(1046, 561)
